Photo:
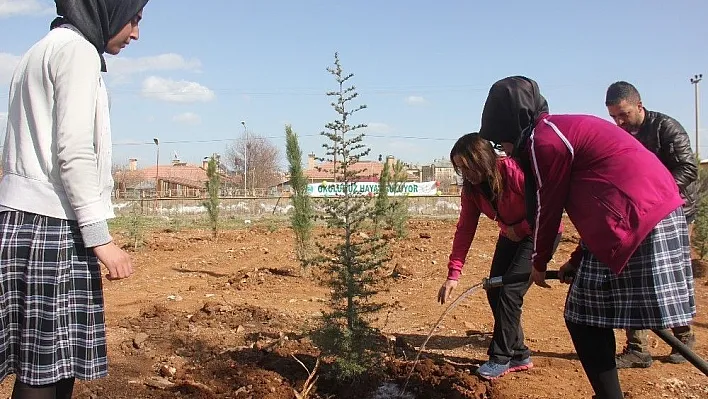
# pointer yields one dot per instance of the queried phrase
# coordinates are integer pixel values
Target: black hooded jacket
(513, 106)
(97, 20)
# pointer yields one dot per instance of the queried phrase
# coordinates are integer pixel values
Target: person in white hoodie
(55, 200)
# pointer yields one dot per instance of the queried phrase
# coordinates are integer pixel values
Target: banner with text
(412, 189)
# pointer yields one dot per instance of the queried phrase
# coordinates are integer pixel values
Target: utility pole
(157, 168)
(245, 159)
(694, 81)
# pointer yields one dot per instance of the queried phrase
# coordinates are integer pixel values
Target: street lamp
(694, 81)
(157, 166)
(245, 159)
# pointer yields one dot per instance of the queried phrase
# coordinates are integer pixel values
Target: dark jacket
(668, 140)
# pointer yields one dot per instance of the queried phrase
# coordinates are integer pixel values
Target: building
(369, 171)
(414, 173)
(178, 179)
(440, 170)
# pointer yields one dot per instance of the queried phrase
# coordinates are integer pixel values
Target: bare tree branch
(263, 160)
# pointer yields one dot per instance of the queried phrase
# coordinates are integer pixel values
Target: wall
(444, 205)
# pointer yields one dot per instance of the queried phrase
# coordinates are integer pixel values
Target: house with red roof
(369, 171)
(177, 179)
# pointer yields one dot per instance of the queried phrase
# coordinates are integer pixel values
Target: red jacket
(614, 190)
(512, 213)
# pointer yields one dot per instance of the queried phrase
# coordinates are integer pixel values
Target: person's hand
(511, 234)
(538, 278)
(445, 291)
(566, 273)
(115, 260)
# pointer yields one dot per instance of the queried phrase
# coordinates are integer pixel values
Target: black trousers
(596, 349)
(63, 389)
(508, 340)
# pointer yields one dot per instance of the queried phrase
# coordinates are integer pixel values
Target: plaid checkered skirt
(51, 302)
(655, 290)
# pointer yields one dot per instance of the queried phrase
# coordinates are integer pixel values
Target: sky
(423, 68)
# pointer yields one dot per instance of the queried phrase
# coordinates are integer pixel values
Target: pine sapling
(349, 257)
(301, 219)
(211, 204)
(382, 201)
(136, 226)
(398, 214)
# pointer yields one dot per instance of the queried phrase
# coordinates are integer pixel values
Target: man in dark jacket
(668, 140)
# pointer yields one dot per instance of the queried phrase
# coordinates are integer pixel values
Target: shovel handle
(552, 275)
(515, 278)
(519, 278)
(684, 350)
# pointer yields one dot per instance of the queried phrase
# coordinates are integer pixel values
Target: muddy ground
(226, 319)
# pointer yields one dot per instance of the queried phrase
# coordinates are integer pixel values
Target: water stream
(459, 299)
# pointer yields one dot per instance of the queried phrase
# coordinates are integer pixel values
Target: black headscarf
(512, 107)
(97, 20)
(510, 112)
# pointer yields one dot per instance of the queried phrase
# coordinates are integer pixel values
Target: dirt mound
(257, 357)
(431, 380)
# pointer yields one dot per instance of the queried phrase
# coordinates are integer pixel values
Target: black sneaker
(675, 357)
(631, 358)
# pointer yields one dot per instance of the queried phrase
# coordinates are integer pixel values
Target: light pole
(157, 167)
(694, 81)
(245, 159)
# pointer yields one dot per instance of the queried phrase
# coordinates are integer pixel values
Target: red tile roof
(183, 174)
(369, 171)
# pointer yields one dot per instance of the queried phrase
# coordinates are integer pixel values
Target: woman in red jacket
(494, 186)
(633, 266)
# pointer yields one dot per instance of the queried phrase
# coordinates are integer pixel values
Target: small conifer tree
(398, 214)
(213, 186)
(302, 217)
(382, 201)
(349, 258)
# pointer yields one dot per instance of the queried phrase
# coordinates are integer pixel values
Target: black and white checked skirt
(655, 290)
(51, 302)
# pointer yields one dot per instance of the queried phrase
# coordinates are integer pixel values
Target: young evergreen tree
(350, 259)
(213, 186)
(302, 217)
(398, 214)
(382, 201)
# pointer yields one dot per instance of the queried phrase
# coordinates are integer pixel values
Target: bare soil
(227, 319)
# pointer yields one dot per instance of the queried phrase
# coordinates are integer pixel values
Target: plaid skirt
(51, 302)
(655, 290)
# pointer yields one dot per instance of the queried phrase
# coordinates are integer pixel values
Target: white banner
(412, 189)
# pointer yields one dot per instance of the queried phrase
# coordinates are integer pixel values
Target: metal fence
(192, 193)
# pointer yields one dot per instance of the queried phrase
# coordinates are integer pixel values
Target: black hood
(97, 20)
(512, 106)
(510, 112)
